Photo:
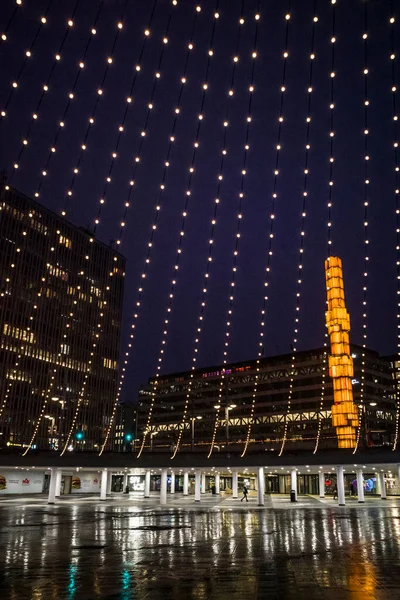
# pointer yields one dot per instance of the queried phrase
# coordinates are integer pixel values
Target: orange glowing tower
(344, 411)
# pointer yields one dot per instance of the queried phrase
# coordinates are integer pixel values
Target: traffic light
(128, 437)
(79, 435)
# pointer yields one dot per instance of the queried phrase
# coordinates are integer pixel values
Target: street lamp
(152, 434)
(193, 420)
(227, 409)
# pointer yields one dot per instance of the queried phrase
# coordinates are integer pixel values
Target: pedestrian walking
(244, 494)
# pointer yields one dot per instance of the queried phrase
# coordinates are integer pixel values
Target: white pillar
(360, 485)
(383, 486)
(203, 483)
(103, 486)
(147, 484)
(163, 487)
(52, 486)
(234, 484)
(58, 482)
(217, 483)
(340, 486)
(197, 480)
(260, 486)
(293, 481)
(172, 482)
(378, 483)
(186, 483)
(125, 482)
(109, 482)
(321, 484)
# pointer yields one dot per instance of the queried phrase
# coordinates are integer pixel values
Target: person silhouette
(244, 494)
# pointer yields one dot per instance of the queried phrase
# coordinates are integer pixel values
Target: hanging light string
(271, 231)
(393, 58)
(53, 372)
(366, 240)
(174, 279)
(235, 254)
(13, 277)
(150, 106)
(332, 76)
(50, 377)
(207, 271)
(303, 216)
(28, 54)
(99, 94)
(71, 94)
(3, 36)
(144, 127)
(153, 228)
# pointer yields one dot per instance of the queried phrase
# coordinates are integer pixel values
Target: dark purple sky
(348, 191)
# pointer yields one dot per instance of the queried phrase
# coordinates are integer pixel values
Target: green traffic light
(128, 437)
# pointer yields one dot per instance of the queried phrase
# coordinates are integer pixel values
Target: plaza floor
(220, 549)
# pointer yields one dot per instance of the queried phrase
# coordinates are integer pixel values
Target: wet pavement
(220, 549)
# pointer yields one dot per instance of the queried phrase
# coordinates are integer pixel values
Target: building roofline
(79, 228)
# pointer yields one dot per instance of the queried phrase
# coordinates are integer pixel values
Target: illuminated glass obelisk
(344, 411)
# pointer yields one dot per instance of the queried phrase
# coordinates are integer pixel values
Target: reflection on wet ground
(219, 550)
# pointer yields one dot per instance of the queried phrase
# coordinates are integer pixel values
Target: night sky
(129, 47)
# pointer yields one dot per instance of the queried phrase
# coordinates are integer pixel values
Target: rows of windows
(19, 334)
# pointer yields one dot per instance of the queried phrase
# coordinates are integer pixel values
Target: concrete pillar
(260, 486)
(340, 486)
(293, 481)
(203, 483)
(321, 484)
(163, 488)
(217, 483)
(147, 484)
(234, 484)
(186, 483)
(109, 482)
(52, 486)
(378, 483)
(360, 485)
(58, 482)
(172, 482)
(383, 486)
(197, 480)
(103, 485)
(125, 482)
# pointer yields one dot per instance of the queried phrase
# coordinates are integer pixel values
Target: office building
(228, 392)
(61, 294)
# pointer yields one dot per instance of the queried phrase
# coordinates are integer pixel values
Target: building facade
(61, 294)
(219, 405)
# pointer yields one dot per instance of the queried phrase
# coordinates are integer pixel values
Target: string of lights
(329, 206)
(150, 106)
(26, 140)
(365, 224)
(144, 127)
(303, 216)
(235, 254)
(153, 227)
(207, 272)
(271, 229)
(91, 120)
(3, 35)
(188, 193)
(12, 279)
(393, 58)
(27, 56)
